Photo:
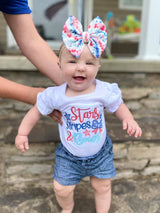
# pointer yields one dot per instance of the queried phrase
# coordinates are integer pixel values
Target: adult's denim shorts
(70, 169)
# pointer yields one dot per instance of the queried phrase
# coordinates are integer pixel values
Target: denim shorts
(70, 169)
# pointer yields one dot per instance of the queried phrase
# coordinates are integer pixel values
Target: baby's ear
(58, 62)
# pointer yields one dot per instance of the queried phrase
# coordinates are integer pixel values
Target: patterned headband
(75, 39)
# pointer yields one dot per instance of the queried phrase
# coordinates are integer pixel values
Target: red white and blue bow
(75, 39)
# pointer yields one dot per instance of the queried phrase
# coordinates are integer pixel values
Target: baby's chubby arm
(128, 121)
(28, 122)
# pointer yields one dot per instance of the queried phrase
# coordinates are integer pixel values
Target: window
(130, 4)
(49, 17)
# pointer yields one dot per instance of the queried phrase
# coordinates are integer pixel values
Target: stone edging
(20, 63)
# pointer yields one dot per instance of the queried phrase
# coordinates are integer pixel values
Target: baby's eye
(89, 63)
(72, 61)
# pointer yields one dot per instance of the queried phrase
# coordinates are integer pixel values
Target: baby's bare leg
(64, 196)
(102, 192)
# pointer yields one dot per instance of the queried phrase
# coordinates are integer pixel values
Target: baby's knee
(101, 185)
(61, 190)
(58, 188)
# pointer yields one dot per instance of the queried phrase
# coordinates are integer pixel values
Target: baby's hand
(132, 127)
(21, 142)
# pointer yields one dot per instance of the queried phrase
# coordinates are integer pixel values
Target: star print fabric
(74, 38)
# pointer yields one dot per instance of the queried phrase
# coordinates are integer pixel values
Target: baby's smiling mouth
(79, 78)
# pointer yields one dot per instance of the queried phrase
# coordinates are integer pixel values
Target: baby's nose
(80, 67)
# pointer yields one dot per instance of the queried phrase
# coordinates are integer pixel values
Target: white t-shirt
(83, 131)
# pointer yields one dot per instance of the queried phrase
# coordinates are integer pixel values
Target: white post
(82, 10)
(88, 13)
(149, 44)
(72, 9)
(11, 43)
(30, 3)
(75, 8)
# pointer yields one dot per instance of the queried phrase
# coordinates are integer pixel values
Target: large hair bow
(75, 39)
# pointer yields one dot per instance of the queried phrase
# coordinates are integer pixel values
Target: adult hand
(57, 116)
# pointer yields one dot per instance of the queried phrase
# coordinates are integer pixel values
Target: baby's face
(79, 73)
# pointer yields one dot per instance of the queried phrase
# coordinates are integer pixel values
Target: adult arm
(19, 92)
(12, 90)
(34, 47)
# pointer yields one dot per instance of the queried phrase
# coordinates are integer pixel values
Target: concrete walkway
(128, 196)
